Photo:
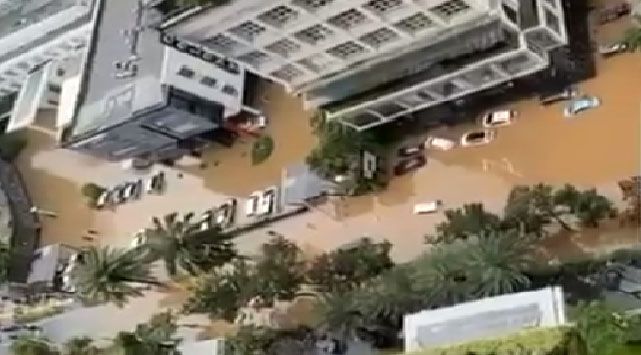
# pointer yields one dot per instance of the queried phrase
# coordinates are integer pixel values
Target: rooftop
(33, 22)
(123, 31)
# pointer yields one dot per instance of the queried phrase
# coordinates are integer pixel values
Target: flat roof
(34, 22)
(108, 100)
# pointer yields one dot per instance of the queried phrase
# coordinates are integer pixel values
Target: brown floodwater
(596, 149)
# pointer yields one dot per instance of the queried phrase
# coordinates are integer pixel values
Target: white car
(499, 118)
(206, 220)
(427, 207)
(103, 199)
(476, 138)
(251, 205)
(67, 282)
(266, 203)
(439, 143)
(225, 213)
(579, 104)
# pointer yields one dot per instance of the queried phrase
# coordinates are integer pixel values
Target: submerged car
(409, 164)
(476, 138)
(439, 143)
(579, 104)
(611, 49)
(567, 94)
(498, 118)
(224, 215)
(266, 203)
(251, 205)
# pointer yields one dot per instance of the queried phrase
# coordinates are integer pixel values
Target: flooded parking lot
(596, 148)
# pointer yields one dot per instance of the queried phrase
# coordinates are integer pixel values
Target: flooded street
(595, 149)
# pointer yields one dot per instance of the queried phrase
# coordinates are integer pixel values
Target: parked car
(251, 205)
(206, 220)
(476, 138)
(266, 205)
(582, 103)
(427, 207)
(128, 191)
(611, 49)
(409, 164)
(139, 239)
(224, 215)
(137, 192)
(409, 151)
(67, 283)
(118, 194)
(156, 184)
(439, 143)
(567, 94)
(103, 199)
(498, 118)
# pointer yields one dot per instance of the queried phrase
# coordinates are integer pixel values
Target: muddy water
(596, 149)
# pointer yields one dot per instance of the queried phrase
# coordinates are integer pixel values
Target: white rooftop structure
(484, 318)
(194, 75)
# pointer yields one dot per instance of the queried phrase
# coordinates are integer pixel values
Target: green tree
(111, 275)
(603, 329)
(341, 314)
(346, 268)
(442, 275)
(498, 261)
(222, 292)
(179, 244)
(81, 346)
(279, 269)
(156, 337)
(31, 345)
(632, 38)
(592, 208)
(471, 220)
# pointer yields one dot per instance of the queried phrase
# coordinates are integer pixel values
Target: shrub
(92, 191)
(11, 145)
(262, 149)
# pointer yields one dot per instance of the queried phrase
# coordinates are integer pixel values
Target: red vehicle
(409, 164)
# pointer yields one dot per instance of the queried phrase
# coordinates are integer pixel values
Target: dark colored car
(409, 164)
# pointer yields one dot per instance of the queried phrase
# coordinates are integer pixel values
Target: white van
(427, 207)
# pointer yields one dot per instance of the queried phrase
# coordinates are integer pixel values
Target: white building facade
(344, 51)
(36, 32)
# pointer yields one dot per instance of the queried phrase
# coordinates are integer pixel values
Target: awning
(26, 106)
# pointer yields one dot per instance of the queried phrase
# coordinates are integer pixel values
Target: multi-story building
(368, 62)
(33, 32)
(140, 97)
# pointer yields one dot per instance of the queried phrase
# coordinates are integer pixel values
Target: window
(312, 5)
(208, 81)
(55, 88)
(278, 16)
(450, 8)
(552, 21)
(348, 19)
(186, 72)
(230, 90)
(414, 24)
(379, 37)
(346, 50)
(314, 34)
(248, 30)
(254, 58)
(287, 72)
(283, 47)
(382, 6)
(511, 14)
(222, 44)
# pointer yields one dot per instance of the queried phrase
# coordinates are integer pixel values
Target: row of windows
(280, 16)
(208, 81)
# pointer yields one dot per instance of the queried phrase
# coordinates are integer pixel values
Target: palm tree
(463, 223)
(497, 262)
(110, 275)
(442, 275)
(179, 244)
(30, 345)
(341, 314)
(81, 346)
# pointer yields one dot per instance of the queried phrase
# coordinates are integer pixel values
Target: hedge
(536, 341)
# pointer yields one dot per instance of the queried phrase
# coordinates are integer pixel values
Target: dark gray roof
(301, 184)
